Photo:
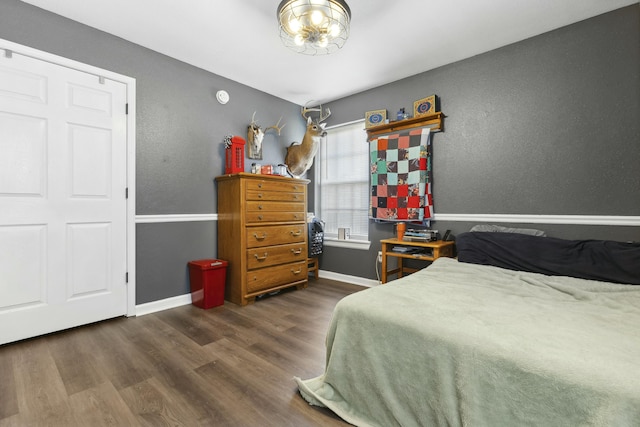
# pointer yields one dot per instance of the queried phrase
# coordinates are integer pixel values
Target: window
(342, 182)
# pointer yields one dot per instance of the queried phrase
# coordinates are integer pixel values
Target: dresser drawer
(275, 196)
(274, 255)
(275, 235)
(275, 207)
(287, 186)
(262, 217)
(267, 278)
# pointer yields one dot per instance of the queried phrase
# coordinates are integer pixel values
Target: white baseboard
(331, 275)
(180, 300)
(163, 304)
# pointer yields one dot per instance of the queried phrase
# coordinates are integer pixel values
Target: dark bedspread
(603, 260)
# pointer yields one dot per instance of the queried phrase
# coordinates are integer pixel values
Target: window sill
(363, 245)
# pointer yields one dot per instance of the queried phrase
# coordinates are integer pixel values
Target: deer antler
(324, 117)
(276, 126)
(305, 110)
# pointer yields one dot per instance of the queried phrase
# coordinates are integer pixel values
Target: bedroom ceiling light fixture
(314, 27)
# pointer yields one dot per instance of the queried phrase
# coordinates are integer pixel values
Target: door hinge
(126, 193)
(126, 277)
(8, 53)
(126, 109)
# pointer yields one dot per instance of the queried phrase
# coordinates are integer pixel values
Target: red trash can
(207, 278)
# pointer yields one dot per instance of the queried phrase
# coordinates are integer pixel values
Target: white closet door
(63, 229)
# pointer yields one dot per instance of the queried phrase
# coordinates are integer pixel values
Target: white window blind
(342, 181)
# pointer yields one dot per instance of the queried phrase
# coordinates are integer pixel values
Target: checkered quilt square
(401, 176)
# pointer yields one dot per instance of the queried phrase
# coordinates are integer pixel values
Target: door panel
(22, 85)
(23, 264)
(63, 234)
(89, 249)
(90, 156)
(23, 162)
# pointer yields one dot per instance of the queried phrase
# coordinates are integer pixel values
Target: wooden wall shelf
(433, 121)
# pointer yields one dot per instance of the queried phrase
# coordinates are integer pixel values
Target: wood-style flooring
(226, 366)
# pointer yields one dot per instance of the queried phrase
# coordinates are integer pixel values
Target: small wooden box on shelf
(422, 251)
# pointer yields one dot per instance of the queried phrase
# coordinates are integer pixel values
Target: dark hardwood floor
(226, 366)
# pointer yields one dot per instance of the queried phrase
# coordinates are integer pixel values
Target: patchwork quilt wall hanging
(401, 176)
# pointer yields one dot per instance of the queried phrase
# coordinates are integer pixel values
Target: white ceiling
(390, 39)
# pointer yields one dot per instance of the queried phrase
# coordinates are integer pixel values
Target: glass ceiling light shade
(314, 27)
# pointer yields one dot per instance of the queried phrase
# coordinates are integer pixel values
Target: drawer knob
(261, 258)
(260, 207)
(264, 236)
(296, 251)
(259, 185)
(296, 233)
(295, 197)
(259, 195)
(260, 217)
(296, 272)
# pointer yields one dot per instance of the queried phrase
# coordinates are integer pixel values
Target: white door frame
(6, 47)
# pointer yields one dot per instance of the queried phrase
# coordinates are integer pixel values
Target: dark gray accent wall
(163, 253)
(180, 129)
(546, 126)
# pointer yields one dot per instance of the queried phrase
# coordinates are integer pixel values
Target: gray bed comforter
(468, 345)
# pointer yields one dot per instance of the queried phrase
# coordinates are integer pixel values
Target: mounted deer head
(255, 135)
(299, 158)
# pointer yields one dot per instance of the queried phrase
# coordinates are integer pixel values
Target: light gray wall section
(164, 264)
(549, 126)
(180, 125)
(180, 129)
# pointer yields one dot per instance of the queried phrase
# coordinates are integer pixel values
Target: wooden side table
(427, 251)
(312, 266)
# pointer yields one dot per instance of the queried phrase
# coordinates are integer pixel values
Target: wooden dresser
(262, 233)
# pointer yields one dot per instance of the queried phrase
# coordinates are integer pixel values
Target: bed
(475, 344)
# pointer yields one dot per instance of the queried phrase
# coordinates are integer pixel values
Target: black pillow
(602, 260)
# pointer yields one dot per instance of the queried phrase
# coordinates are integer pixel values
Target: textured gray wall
(548, 126)
(545, 126)
(180, 129)
(168, 247)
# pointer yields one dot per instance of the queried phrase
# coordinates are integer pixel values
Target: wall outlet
(379, 256)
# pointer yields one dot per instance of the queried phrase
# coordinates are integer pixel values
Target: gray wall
(180, 129)
(547, 126)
